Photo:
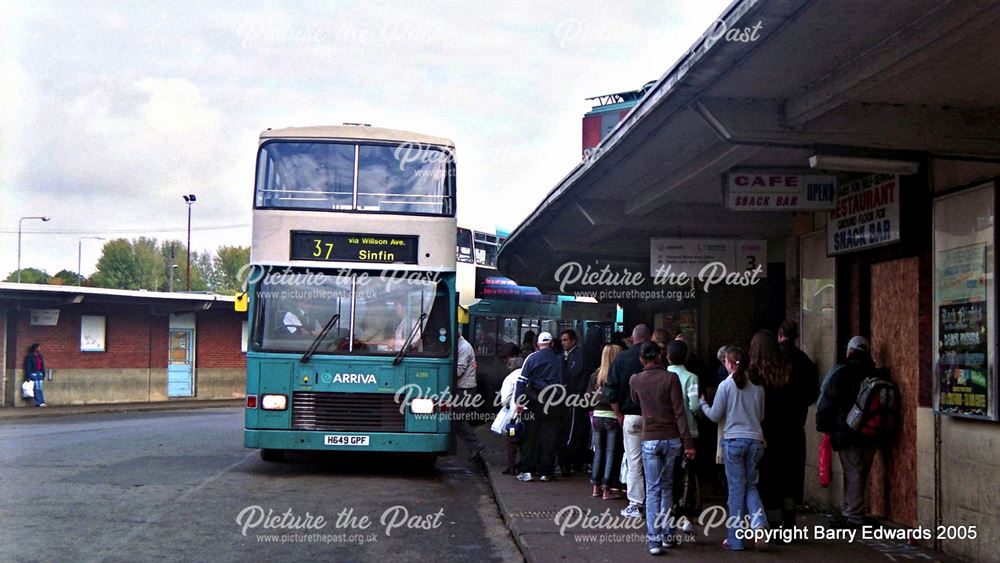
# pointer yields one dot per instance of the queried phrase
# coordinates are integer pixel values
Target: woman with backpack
(740, 399)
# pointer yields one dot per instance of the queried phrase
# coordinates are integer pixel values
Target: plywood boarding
(895, 331)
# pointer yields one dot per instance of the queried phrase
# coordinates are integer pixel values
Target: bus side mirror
(242, 302)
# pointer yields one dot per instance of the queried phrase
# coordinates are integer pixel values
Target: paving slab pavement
(560, 521)
(65, 410)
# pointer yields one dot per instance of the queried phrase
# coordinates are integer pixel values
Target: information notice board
(965, 305)
(962, 366)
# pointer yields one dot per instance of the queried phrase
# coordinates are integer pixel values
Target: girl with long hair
(607, 434)
(740, 399)
(781, 428)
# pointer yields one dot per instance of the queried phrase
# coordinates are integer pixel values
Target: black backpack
(875, 413)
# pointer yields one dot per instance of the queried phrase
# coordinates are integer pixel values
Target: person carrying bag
(34, 372)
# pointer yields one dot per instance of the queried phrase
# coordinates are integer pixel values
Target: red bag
(825, 459)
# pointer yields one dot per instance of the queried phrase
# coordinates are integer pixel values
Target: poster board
(674, 256)
(44, 317)
(965, 382)
(92, 333)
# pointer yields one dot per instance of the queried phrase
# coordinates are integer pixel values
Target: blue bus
(351, 292)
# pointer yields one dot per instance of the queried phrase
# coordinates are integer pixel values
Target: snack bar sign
(866, 215)
(756, 190)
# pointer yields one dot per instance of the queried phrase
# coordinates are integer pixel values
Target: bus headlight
(422, 406)
(273, 402)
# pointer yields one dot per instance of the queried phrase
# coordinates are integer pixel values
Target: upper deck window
(486, 249)
(403, 178)
(463, 247)
(306, 176)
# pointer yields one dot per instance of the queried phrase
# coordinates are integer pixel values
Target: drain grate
(535, 514)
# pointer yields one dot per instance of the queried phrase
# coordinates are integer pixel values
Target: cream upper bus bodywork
(354, 133)
(272, 227)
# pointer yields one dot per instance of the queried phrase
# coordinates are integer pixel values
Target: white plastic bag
(28, 390)
(500, 422)
(623, 471)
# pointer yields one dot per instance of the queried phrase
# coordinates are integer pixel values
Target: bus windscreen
(380, 313)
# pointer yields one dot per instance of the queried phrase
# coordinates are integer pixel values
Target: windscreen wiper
(409, 340)
(319, 338)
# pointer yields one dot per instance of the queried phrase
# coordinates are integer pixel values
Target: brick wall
(133, 338)
(591, 131)
(218, 340)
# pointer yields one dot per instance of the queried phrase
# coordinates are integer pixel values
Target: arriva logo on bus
(368, 378)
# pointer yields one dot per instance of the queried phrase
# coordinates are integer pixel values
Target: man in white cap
(837, 396)
(541, 369)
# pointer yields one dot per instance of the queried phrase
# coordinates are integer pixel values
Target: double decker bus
(351, 291)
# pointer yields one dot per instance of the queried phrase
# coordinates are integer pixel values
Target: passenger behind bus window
(404, 328)
(294, 321)
(528, 344)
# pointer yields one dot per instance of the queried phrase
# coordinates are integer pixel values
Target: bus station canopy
(900, 80)
(29, 295)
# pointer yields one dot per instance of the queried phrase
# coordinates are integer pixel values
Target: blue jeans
(742, 457)
(37, 377)
(607, 437)
(658, 457)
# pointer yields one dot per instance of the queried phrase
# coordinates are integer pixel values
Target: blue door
(180, 367)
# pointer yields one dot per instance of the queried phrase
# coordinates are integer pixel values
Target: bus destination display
(354, 247)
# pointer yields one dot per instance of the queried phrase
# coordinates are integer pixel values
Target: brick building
(111, 346)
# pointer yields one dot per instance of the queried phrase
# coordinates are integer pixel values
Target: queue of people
(645, 405)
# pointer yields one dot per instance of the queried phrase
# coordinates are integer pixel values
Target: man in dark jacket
(618, 392)
(803, 388)
(575, 432)
(541, 369)
(837, 397)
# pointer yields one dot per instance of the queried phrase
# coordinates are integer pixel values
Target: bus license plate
(341, 440)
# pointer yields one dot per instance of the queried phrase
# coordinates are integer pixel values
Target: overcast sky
(109, 112)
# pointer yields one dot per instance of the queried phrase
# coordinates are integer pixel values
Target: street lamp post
(170, 281)
(79, 255)
(21, 220)
(189, 199)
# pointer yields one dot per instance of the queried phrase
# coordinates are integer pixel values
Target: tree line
(146, 263)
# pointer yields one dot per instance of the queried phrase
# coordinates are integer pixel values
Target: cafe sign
(758, 190)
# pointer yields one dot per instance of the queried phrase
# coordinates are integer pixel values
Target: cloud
(105, 125)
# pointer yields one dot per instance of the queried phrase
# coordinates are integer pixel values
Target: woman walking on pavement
(34, 370)
(740, 399)
(607, 435)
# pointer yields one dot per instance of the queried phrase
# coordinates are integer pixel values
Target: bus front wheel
(272, 455)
